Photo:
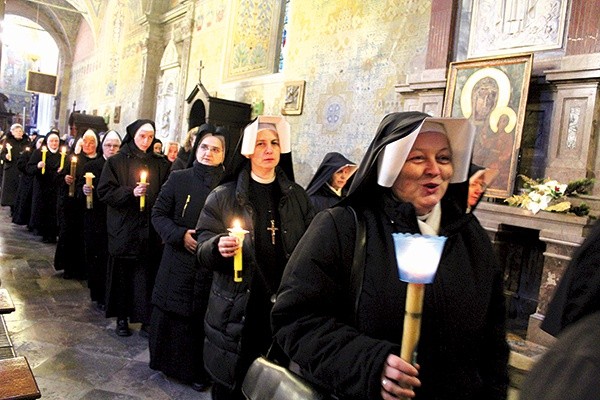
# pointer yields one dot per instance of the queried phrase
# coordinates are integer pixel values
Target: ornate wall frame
(492, 93)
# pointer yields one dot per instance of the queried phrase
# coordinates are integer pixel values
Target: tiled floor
(72, 349)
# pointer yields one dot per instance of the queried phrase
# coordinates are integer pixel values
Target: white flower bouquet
(550, 195)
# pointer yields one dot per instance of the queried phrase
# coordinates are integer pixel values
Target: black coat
(11, 175)
(70, 254)
(176, 210)
(45, 191)
(227, 307)
(22, 211)
(462, 349)
(129, 230)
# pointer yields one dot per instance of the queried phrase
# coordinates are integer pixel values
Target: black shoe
(122, 328)
(145, 331)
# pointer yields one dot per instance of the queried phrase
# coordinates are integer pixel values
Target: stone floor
(72, 348)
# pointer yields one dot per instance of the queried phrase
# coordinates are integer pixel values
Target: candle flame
(44, 148)
(237, 224)
(74, 159)
(63, 150)
(143, 176)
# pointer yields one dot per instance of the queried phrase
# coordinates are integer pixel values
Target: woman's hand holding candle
(42, 164)
(140, 190)
(8, 152)
(71, 176)
(237, 233)
(87, 189)
(398, 378)
(63, 153)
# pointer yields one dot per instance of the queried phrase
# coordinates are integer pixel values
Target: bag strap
(358, 262)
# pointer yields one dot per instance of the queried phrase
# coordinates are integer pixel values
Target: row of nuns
(143, 233)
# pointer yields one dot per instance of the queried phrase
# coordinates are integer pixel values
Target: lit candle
(8, 153)
(239, 233)
(417, 257)
(44, 151)
(73, 173)
(89, 199)
(63, 153)
(143, 176)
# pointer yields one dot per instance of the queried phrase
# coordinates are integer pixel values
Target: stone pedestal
(561, 233)
(573, 143)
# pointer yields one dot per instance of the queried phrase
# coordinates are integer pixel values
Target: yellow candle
(89, 199)
(239, 233)
(44, 151)
(63, 153)
(412, 320)
(73, 173)
(143, 176)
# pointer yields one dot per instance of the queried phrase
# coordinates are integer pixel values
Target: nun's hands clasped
(398, 378)
(189, 242)
(228, 246)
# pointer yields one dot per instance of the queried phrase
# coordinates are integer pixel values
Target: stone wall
(350, 53)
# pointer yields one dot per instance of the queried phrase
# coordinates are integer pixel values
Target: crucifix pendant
(272, 228)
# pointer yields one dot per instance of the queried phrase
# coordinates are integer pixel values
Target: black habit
(133, 245)
(181, 289)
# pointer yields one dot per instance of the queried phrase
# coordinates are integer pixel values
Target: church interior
(333, 69)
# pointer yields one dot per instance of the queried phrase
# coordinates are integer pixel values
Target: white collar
(336, 191)
(429, 224)
(262, 180)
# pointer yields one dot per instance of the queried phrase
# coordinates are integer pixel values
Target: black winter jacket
(462, 351)
(226, 315)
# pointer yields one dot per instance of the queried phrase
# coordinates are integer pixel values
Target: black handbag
(266, 380)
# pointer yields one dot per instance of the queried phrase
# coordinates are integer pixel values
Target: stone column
(151, 53)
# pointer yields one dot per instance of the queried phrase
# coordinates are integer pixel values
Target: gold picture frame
(492, 93)
(293, 98)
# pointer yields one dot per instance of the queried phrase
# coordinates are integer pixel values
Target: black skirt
(176, 344)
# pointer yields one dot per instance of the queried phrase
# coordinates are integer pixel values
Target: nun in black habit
(185, 152)
(94, 221)
(329, 184)
(14, 145)
(181, 289)
(134, 247)
(45, 187)
(344, 332)
(261, 196)
(22, 212)
(70, 248)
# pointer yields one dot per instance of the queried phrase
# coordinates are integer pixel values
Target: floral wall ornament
(550, 195)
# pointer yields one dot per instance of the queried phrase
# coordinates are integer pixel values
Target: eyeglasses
(479, 184)
(205, 147)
